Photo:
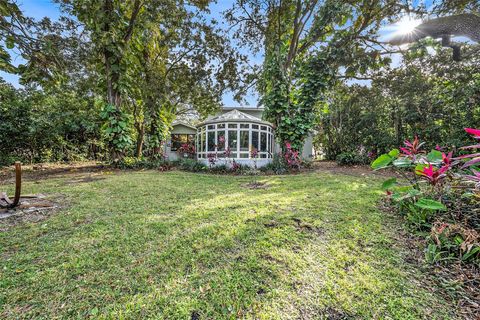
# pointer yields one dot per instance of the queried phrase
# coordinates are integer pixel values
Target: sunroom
(233, 136)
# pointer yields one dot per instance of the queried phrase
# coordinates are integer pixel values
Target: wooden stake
(18, 183)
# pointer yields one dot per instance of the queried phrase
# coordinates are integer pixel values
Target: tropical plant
(433, 181)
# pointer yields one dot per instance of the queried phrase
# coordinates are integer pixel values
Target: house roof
(176, 123)
(234, 116)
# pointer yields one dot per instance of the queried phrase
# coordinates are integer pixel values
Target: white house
(235, 130)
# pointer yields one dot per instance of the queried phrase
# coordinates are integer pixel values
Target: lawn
(176, 245)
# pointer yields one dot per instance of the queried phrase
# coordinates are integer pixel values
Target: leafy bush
(449, 241)
(439, 186)
(144, 163)
(277, 166)
(192, 165)
(352, 158)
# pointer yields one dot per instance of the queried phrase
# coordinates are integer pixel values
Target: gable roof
(182, 123)
(234, 116)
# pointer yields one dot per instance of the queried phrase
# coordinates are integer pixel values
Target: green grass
(178, 245)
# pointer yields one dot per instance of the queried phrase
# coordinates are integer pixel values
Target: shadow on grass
(181, 245)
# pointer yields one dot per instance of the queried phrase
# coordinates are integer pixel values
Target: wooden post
(18, 183)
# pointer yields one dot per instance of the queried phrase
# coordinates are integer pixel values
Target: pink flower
(432, 174)
(474, 132)
(288, 145)
(438, 148)
(412, 148)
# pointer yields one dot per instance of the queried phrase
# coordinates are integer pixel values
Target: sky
(47, 8)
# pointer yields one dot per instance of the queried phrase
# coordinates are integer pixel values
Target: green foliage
(352, 158)
(427, 95)
(116, 128)
(192, 165)
(39, 127)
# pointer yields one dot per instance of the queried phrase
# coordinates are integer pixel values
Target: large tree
(153, 56)
(306, 44)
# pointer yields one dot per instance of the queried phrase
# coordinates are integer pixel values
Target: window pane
(221, 140)
(263, 128)
(244, 141)
(232, 125)
(244, 126)
(263, 141)
(244, 155)
(202, 141)
(254, 126)
(255, 139)
(263, 155)
(211, 127)
(232, 141)
(178, 140)
(221, 126)
(211, 141)
(271, 144)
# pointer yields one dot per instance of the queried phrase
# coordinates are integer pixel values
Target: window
(244, 141)
(221, 140)
(240, 137)
(211, 141)
(255, 140)
(179, 139)
(202, 141)
(232, 141)
(263, 141)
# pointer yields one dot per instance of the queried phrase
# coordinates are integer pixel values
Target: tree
(306, 43)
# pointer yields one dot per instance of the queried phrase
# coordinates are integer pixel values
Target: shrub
(192, 165)
(277, 166)
(352, 158)
(186, 149)
(440, 191)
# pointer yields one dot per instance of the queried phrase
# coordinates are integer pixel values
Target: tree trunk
(140, 137)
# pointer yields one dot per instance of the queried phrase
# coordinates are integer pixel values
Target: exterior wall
(177, 129)
(307, 152)
(248, 162)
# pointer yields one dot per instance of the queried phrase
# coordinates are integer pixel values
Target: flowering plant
(212, 159)
(187, 149)
(436, 181)
(291, 157)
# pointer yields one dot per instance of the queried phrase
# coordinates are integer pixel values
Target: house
(229, 135)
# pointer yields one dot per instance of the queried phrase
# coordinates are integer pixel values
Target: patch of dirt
(307, 227)
(84, 179)
(51, 170)
(31, 209)
(256, 185)
(357, 171)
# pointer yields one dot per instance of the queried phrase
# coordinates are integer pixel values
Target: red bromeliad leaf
(475, 177)
(467, 156)
(474, 132)
(471, 162)
(477, 146)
